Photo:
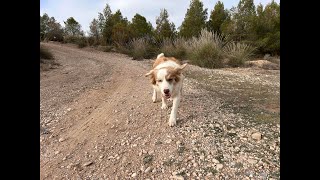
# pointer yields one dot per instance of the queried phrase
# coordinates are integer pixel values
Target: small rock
(69, 109)
(88, 163)
(134, 175)
(142, 168)
(195, 164)
(57, 152)
(178, 142)
(102, 156)
(110, 157)
(202, 157)
(215, 161)
(177, 177)
(168, 141)
(209, 174)
(61, 139)
(252, 161)
(256, 136)
(148, 170)
(219, 166)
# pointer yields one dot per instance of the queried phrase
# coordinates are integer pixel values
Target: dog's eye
(170, 80)
(159, 80)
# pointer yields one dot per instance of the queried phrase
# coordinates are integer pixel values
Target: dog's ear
(149, 73)
(183, 66)
(179, 69)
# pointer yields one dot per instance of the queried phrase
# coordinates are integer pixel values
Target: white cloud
(85, 10)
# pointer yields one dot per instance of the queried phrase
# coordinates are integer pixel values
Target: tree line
(257, 26)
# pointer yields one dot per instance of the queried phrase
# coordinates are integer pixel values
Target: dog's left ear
(179, 69)
(149, 73)
(183, 66)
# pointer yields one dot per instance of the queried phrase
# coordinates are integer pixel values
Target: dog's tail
(160, 55)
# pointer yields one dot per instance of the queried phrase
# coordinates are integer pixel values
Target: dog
(167, 80)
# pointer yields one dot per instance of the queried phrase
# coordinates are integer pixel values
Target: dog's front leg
(173, 115)
(154, 96)
(164, 103)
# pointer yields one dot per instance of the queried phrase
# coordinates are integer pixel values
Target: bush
(105, 48)
(45, 53)
(70, 39)
(206, 50)
(91, 41)
(238, 53)
(141, 48)
(175, 48)
(82, 42)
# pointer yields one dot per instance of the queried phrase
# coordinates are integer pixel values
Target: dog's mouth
(167, 96)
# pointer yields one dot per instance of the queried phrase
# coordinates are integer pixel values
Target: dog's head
(166, 78)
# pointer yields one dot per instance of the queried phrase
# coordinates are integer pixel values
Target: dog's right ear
(149, 73)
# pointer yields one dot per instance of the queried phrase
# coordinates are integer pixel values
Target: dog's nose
(166, 91)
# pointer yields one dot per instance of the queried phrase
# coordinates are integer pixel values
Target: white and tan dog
(167, 80)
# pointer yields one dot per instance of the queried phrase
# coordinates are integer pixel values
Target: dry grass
(238, 53)
(206, 50)
(175, 48)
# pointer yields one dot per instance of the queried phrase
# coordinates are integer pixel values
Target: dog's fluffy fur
(167, 80)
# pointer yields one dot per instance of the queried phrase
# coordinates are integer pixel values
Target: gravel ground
(98, 121)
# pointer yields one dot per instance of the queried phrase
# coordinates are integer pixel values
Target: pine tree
(140, 27)
(217, 17)
(195, 19)
(105, 24)
(267, 28)
(121, 33)
(94, 29)
(72, 27)
(244, 16)
(164, 28)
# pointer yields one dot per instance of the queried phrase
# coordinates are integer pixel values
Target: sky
(84, 11)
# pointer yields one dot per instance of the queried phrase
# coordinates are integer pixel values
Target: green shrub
(45, 53)
(238, 53)
(70, 39)
(141, 48)
(175, 48)
(206, 50)
(82, 42)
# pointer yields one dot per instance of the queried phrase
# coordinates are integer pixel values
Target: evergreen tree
(244, 16)
(72, 27)
(140, 27)
(217, 17)
(94, 29)
(195, 20)
(164, 28)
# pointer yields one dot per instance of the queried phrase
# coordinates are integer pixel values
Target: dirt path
(98, 122)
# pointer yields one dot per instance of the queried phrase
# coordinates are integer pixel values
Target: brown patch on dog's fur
(163, 59)
(173, 74)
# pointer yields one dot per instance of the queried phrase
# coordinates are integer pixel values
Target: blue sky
(85, 10)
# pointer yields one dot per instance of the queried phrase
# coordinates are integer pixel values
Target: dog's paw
(170, 99)
(164, 106)
(154, 99)
(172, 122)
